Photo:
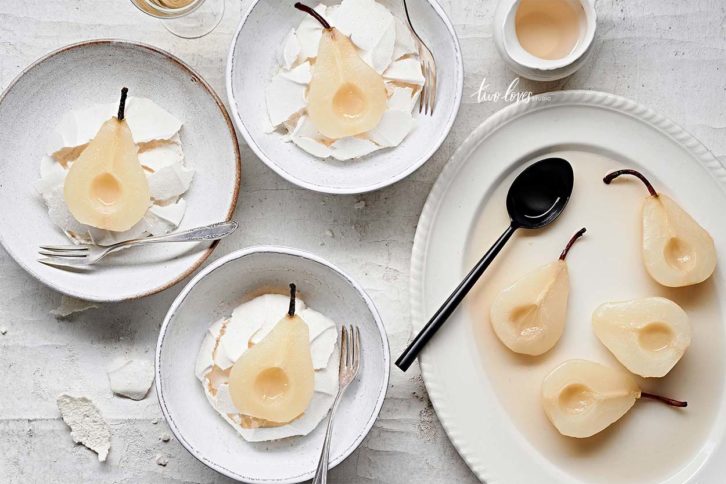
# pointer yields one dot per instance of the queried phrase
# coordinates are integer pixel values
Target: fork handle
(321, 473)
(209, 232)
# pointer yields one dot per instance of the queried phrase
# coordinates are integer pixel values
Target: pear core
(576, 398)
(655, 336)
(272, 383)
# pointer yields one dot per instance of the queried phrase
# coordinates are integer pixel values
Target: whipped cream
(228, 338)
(156, 132)
(383, 42)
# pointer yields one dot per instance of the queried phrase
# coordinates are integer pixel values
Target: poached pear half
(106, 186)
(648, 336)
(677, 251)
(582, 398)
(346, 96)
(275, 379)
(529, 316)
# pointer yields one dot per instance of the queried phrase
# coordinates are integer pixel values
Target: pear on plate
(529, 316)
(677, 251)
(582, 398)
(106, 186)
(648, 336)
(274, 380)
(346, 96)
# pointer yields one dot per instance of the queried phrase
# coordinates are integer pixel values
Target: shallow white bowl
(214, 293)
(252, 62)
(91, 72)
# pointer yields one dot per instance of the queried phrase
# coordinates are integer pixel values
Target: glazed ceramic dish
(84, 74)
(487, 398)
(249, 71)
(214, 293)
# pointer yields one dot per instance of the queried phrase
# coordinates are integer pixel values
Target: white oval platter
(486, 397)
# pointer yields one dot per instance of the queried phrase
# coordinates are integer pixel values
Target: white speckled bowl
(84, 74)
(215, 292)
(249, 70)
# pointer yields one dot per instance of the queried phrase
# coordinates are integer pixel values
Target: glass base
(198, 23)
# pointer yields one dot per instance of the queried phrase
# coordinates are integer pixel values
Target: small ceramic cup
(530, 66)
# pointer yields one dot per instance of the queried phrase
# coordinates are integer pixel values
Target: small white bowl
(214, 293)
(530, 66)
(251, 65)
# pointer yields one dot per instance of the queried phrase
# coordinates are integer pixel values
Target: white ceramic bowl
(91, 72)
(83, 74)
(535, 68)
(252, 62)
(215, 292)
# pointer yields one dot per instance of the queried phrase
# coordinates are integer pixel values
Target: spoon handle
(443, 313)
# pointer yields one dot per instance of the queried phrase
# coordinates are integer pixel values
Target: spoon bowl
(539, 194)
(536, 198)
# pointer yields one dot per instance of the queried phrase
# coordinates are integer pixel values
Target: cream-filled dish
(271, 368)
(114, 172)
(347, 80)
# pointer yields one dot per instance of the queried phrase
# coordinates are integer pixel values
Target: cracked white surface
(645, 50)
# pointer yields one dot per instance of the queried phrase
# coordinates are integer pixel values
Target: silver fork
(84, 255)
(427, 98)
(349, 366)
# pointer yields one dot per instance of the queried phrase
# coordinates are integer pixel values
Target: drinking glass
(188, 19)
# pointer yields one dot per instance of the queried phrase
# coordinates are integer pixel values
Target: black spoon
(537, 197)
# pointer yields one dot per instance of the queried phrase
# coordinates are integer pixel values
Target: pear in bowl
(677, 251)
(346, 96)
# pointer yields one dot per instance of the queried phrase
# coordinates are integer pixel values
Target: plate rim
(232, 100)
(497, 120)
(223, 110)
(274, 249)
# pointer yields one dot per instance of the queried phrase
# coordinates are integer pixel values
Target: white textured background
(667, 54)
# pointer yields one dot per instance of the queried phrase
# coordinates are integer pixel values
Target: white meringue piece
(301, 74)
(284, 99)
(393, 128)
(405, 43)
(170, 181)
(290, 50)
(308, 34)
(406, 70)
(351, 147)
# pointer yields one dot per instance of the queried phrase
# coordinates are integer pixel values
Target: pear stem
(611, 176)
(316, 15)
(574, 238)
(293, 290)
(122, 104)
(666, 400)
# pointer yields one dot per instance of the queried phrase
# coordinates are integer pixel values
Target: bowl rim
(194, 265)
(232, 257)
(353, 190)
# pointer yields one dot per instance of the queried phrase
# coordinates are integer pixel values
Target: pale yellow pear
(582, 398)
(346, 96)
(275, 379)
(106, 186)
(529, 316)
(648, 336)
(677, 251)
